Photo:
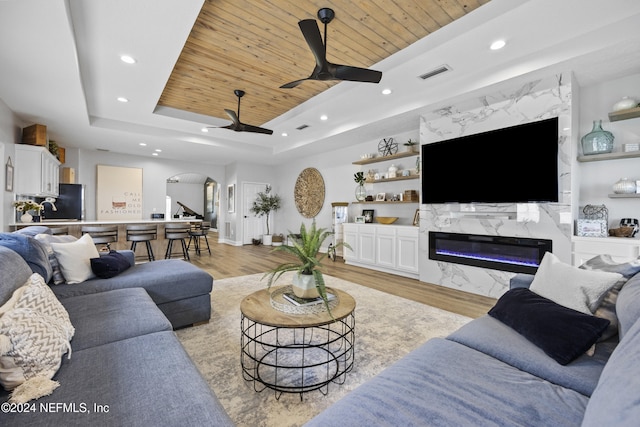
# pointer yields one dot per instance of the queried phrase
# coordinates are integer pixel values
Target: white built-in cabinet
(621, 249)
(36, 171)
(388, 248)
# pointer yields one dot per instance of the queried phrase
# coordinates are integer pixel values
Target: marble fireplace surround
(506, 106)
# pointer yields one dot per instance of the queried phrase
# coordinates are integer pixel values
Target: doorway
(253, 227)
(193, 194)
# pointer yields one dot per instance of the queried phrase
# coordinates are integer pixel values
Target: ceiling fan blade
(311, 33)
(357, 74)
(249, 128)
(232, 115)
(292, 84)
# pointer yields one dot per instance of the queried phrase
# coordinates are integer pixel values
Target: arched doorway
(190, 194)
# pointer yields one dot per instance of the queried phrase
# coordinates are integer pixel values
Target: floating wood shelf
(624, 196)
(629, 113)
(385, 158)
(398, 178)
(386, 202)
(609, 156)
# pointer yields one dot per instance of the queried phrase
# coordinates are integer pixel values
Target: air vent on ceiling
(439, 70)
(302, 127)
(101, 149)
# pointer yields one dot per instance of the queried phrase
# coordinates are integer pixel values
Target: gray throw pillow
(57, 278)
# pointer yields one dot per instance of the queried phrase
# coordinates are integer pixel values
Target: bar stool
(142, 233)
(177, 231)
(102, 234)
(196, 233)
(57, 231)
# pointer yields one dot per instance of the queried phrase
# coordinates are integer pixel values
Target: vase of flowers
(361, 192)
(25, 206)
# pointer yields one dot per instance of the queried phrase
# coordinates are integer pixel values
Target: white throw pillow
(34, 334)
(581, 290)
(74, 258)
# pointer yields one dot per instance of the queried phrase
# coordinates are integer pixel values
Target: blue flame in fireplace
(502, 259)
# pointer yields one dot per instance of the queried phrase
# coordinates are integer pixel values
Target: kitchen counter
(159, 245)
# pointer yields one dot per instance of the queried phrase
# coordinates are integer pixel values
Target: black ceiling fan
(325, 70)
(237, 125)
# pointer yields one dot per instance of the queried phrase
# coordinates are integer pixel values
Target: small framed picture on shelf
(380, 197)
(368, 215)
(360, 220)
(592, 228)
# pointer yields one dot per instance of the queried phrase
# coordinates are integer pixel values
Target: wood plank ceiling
(257, 46)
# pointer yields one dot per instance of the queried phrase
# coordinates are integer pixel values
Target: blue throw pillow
(34, 230)
(561, 332)
(31, 250)
(109, 265)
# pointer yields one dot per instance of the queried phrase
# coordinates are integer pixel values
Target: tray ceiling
(258, 46)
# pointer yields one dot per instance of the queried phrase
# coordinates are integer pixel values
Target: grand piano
(187, 211)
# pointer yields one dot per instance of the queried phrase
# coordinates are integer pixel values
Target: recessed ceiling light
(143, 144)
(154, 154)
(122, 99)
(386, 91)
(128, 59)
(204, 130)
(323, 117)
(498, 44)
(285, 134)
(158, 150)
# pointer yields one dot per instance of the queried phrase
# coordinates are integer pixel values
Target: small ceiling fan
(325, 70)
(237, 125)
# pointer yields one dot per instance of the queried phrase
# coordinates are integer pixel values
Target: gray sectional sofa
(126, 366)
(487, 374)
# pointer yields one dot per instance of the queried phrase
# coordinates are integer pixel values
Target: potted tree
(308, 281)
(264, 204)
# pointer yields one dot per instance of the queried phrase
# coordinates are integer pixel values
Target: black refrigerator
(69, 203)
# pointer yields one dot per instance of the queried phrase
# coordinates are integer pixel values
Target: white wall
(597, 178)
(10, 133)
(337, 172)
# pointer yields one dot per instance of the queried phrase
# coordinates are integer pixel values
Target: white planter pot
(266, 239)
(304, 286)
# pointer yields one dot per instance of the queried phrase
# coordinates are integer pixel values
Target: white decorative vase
(624, 186)
(624, 104)
(26, 217)
(304, 286)
(267, 239)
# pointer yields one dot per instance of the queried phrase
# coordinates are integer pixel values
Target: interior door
(253, 227)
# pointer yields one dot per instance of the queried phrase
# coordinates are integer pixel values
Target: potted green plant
(361, 192)
(308, 281)
(411, 145)
(264, 204)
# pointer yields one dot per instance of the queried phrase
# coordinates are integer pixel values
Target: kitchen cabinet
(36, 171)
(389, 248)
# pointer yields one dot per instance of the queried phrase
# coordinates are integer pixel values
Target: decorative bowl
(386, 219)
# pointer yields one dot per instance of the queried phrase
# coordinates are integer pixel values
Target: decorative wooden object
(309, 192)
(35, 135)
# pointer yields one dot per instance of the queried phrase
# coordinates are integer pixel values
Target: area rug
(387, 328)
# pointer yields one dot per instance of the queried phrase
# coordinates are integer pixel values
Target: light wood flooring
(232, 261)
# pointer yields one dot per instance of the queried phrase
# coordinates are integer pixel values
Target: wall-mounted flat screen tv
(517, 164)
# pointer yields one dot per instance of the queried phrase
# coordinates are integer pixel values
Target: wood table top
(257, 307)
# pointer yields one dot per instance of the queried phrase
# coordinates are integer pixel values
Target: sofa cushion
(113, 316)
(57, 277)
(15, 272)
(628, 305)
(75, 258)
(615, 400)
(147, 380)
(443, 383)
(607, 308)
(31, 250)
(579, 289)
(164, 280)
(493, 338)
(561, 332)
(109, 265)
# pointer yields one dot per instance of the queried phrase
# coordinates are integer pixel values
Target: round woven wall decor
(309, 192)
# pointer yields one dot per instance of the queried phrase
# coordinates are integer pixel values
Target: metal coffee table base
(297, 359)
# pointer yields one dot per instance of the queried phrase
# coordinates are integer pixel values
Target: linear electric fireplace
(515, 254)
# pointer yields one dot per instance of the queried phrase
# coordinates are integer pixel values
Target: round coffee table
(296, 353)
